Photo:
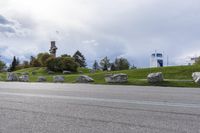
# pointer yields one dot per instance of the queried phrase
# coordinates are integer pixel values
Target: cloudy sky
(115, 28)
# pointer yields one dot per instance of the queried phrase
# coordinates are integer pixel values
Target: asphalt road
(79, 108)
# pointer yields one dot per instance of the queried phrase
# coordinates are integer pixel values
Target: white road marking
(153, 103)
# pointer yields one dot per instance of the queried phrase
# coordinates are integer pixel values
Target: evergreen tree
(95, 65)
(14, 64)
(113, 67)
(122, 64)
(105, 63)
(80, 59)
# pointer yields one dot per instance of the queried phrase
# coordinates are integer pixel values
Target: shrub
(2, 66)
(69, 64)
(42, 58)
(35, 63)
(61, 63)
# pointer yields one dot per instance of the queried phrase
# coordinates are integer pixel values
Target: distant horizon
(89, 64)
(8, 62)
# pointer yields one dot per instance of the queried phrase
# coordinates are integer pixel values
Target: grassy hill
(174, 76)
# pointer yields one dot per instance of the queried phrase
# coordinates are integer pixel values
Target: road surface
(79, 108)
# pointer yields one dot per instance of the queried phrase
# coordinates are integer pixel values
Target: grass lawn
(176, 76)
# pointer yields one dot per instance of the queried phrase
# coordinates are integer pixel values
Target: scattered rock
(12, 77)
(84, 79)
(58, 78)
(67, 72)
(196, 77)
(116, 78)
(41, 79)
(51, 72)
(155, 77)
(24, 78)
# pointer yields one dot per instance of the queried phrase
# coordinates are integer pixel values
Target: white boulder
(116, 78)
(41, 79)
(24, 78)
(12, 77)
(155, 77)
(196, 77)
(58, 78)
(84, 79)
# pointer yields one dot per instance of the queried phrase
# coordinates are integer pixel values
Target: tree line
(119, 64)
(66, 62)
(57, 64)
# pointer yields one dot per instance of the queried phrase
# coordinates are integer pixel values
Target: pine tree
(95, 65)
(80, 59)
(14, 64)
(113, 67)
(122, 64)
(105, 63)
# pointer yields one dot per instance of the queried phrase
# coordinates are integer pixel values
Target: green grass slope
(179, 76)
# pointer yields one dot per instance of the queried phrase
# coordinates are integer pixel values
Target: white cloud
(98, 28)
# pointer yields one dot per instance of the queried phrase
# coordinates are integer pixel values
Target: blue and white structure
(157, 60)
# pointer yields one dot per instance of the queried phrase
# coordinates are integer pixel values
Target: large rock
(155, 77)
(116, 78)
(24, 78)
(67, 72)
(84, 79)
(12, 77)
(41, 79)
(196, 77)
(58, 78)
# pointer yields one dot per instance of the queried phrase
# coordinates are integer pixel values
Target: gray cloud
(6, 26)
(129, 28)
(4, 21)
(12, 28)
(8, 29)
